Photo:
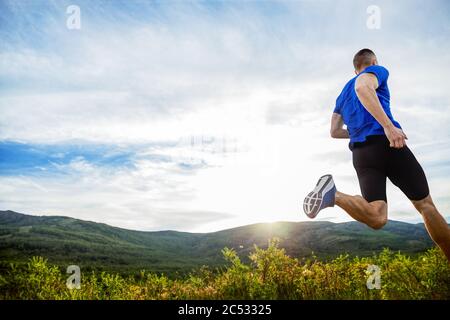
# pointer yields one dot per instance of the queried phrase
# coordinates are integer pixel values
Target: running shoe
(323, 196)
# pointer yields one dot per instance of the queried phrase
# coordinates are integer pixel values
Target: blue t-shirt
(360, 123)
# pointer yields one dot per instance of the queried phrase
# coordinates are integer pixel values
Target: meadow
(269, 274)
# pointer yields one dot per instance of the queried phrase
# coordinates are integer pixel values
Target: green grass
(269, 274)
(94, 246)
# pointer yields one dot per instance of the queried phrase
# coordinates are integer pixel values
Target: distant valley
(96, 246)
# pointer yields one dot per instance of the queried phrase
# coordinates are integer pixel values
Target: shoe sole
(314, 198)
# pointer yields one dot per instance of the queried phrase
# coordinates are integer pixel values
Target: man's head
(363, 59)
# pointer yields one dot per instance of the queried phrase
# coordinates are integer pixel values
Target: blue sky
(204, 115)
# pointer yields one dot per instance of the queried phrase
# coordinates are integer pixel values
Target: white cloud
(261, 86)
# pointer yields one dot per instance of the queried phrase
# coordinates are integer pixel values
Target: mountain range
(96, 246)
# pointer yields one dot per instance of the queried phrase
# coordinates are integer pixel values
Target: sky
(205, 115)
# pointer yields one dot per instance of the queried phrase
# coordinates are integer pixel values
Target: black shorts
(374, 160)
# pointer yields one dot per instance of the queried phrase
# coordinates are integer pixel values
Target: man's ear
(356, 72)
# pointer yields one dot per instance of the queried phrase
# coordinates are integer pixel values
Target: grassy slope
(67, 241)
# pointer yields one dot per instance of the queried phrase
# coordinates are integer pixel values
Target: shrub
(271, 274)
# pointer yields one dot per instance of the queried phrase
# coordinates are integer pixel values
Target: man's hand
(337, 130)
(395, 136)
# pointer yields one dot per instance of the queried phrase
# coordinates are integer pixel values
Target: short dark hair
(362, 58)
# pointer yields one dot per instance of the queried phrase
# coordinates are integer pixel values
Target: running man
(379, 151)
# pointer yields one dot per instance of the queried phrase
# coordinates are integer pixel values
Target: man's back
(360, 123)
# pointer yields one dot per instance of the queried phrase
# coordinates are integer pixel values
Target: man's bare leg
(373, 214)
(435, 223)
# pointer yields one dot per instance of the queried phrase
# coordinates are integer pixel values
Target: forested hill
(64, 241)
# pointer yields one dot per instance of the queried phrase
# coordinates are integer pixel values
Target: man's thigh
(407, 174)
(372, 183)
(369, 162)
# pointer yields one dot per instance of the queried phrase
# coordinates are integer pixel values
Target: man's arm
(337, 127)
(365, 87)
